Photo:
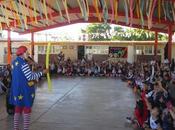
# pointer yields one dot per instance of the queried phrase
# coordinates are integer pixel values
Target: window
(139, 50)
(148, 50)
(96, 49)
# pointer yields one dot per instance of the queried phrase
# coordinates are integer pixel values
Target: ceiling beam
(91, 20)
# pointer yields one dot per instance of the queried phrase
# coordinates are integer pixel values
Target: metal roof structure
(26, 16)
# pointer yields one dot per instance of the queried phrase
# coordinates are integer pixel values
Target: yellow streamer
(137, 9)
(16, 14)
(159, 9)
(116, 10)
(47, 66)
(95, 2)
(87, 7)
(81, 9)
(34, 7)
(45, 10)
(5, 14)
(66, 9)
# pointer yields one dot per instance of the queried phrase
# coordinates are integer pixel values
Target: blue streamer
(142, 3)
(105, 11)
(168, 10)
(84, 10)
(40, 8)
(126, 12)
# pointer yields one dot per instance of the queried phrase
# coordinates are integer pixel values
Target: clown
(22, 92)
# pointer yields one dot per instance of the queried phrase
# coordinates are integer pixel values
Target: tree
(136, 35)
(104, 32)
(98, 32)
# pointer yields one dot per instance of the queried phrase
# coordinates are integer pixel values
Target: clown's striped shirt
(29, 74)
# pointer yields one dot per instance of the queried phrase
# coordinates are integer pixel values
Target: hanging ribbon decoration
(131, 3)
(66, 9)
(45, 10)
(18, 10)
(149, 14)
(60, 12)
(159, 9)
(147, 8)
(13, 13)
(137, 8)
(49, 12)
(34, 9)
(173, 13)
(40, 8)
(105, 10)
(47, 66)
(83, 10)
(3, 12)
(126, 12)
(112, 6)
(95, 3)
(116, 10)
(167, 4)
(25, 15)
(87, 7)
(141, 12)
(163, 6)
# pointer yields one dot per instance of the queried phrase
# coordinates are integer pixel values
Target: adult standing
(22, 91)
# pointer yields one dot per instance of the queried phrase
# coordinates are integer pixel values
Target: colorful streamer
(45, 10)
(112, 6)
(87, 7)
(131, 3)
(126, 12)
(83, 10)
(141, 12)
(4, 15)
(167, 4)
(60, 12)
(14, 14)
(66, 9)
(105, 10)
(151, 14)
(163, 6)
(0, 26)
(159, 9)
(173, 13)
(95, 3)
(47, 66)
(34, 9)
(137, 8)
(21, 19)
(116, 10)
(40, 8)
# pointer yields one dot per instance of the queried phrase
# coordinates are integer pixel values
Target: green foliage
(102, 32)
(98, 32)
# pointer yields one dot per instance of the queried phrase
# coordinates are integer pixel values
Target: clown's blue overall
(22, 93)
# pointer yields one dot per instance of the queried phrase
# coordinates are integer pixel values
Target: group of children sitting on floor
(154, 86)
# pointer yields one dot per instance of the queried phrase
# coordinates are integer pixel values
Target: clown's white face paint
(26, 55)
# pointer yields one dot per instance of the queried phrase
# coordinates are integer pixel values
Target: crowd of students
(153, 83)
(154, 86)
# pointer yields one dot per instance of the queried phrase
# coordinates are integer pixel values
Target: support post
(9, 47)
(32, 45)
(169, 42)
(156, 43)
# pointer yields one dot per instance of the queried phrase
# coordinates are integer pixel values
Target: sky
(71, 31)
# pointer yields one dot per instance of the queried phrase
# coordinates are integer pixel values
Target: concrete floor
(78, 104)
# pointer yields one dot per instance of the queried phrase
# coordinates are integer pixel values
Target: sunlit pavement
(78, 104)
